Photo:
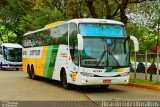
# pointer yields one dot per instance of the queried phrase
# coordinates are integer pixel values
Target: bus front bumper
(103, 80)
(12, 66)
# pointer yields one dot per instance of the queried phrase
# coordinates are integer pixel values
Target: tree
(21, 16)
(10, 15)
(143, 19)
(113, 8)
(146, 37)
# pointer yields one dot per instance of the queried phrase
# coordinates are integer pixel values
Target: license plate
(106, 81)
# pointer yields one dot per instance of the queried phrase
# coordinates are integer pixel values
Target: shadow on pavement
(84, 89)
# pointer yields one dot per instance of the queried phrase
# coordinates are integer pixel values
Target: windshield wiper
(114, 58)
(108, 52)
(101, 57)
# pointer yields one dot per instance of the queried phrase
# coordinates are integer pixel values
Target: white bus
(80, 52)
(10, 56)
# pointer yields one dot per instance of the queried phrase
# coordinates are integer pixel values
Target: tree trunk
(91, 8)
(123, 7)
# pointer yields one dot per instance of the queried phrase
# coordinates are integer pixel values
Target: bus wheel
(32, 73)
(104, 86)
(4, 68)
(64, 80)
(1, 66)
(29, 72)
(17, 69)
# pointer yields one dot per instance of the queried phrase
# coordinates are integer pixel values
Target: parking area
(16, 86)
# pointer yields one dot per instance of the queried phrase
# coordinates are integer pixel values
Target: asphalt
(19, 87)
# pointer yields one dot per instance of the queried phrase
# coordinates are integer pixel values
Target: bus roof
(77, 21)
(53, 24)
(11, 45)
(94, 20)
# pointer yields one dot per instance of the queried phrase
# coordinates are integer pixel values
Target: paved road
(123, 93)
(16, 86)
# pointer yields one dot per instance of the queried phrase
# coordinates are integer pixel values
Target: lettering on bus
(97, 70)
(28, 43)
(24, 53)
(34, 52)
(93, 62)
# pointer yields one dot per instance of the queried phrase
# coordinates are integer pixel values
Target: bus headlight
(87, 74)
(124, 74)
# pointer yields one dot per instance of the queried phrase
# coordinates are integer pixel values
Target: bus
(79, 51)
(10, 56)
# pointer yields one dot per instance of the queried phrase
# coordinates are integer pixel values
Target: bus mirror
(80, 42)
(135, 41)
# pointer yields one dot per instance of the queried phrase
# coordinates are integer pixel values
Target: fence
(147, 63)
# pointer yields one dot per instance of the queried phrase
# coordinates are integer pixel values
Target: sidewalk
(143, 86)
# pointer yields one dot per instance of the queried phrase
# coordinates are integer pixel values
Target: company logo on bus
(97, 70)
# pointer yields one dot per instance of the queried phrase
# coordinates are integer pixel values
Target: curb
(143, 86)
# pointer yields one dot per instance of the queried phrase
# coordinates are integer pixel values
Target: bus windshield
(12, 54)
(106, 30)
(105, 52)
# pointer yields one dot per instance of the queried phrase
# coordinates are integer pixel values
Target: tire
(104, 86)
(1, 66)
(64, 82)
(32, 73)
(29, 72)
(17, 69)
(4, 68)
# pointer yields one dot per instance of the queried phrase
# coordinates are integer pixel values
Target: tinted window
(55, 36)
(37, 39)
(12, 54)
(73, 42)
(108, 30)
(60, 34)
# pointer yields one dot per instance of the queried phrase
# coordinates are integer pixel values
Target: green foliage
(20, 16)
(7, 36)
(39, 19)
(9, 16)
(146, 37)
(144, 82)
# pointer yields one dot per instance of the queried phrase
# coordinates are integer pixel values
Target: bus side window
(54, 33)
(5, 52)
(40, 39)
(63, 37)
(73, 42)
(59, 35)
(47, 37)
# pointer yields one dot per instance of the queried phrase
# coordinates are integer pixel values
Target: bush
(140, 68)
(152, 69)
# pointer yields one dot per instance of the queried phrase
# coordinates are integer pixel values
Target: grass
(144, 82)
(131, 58)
